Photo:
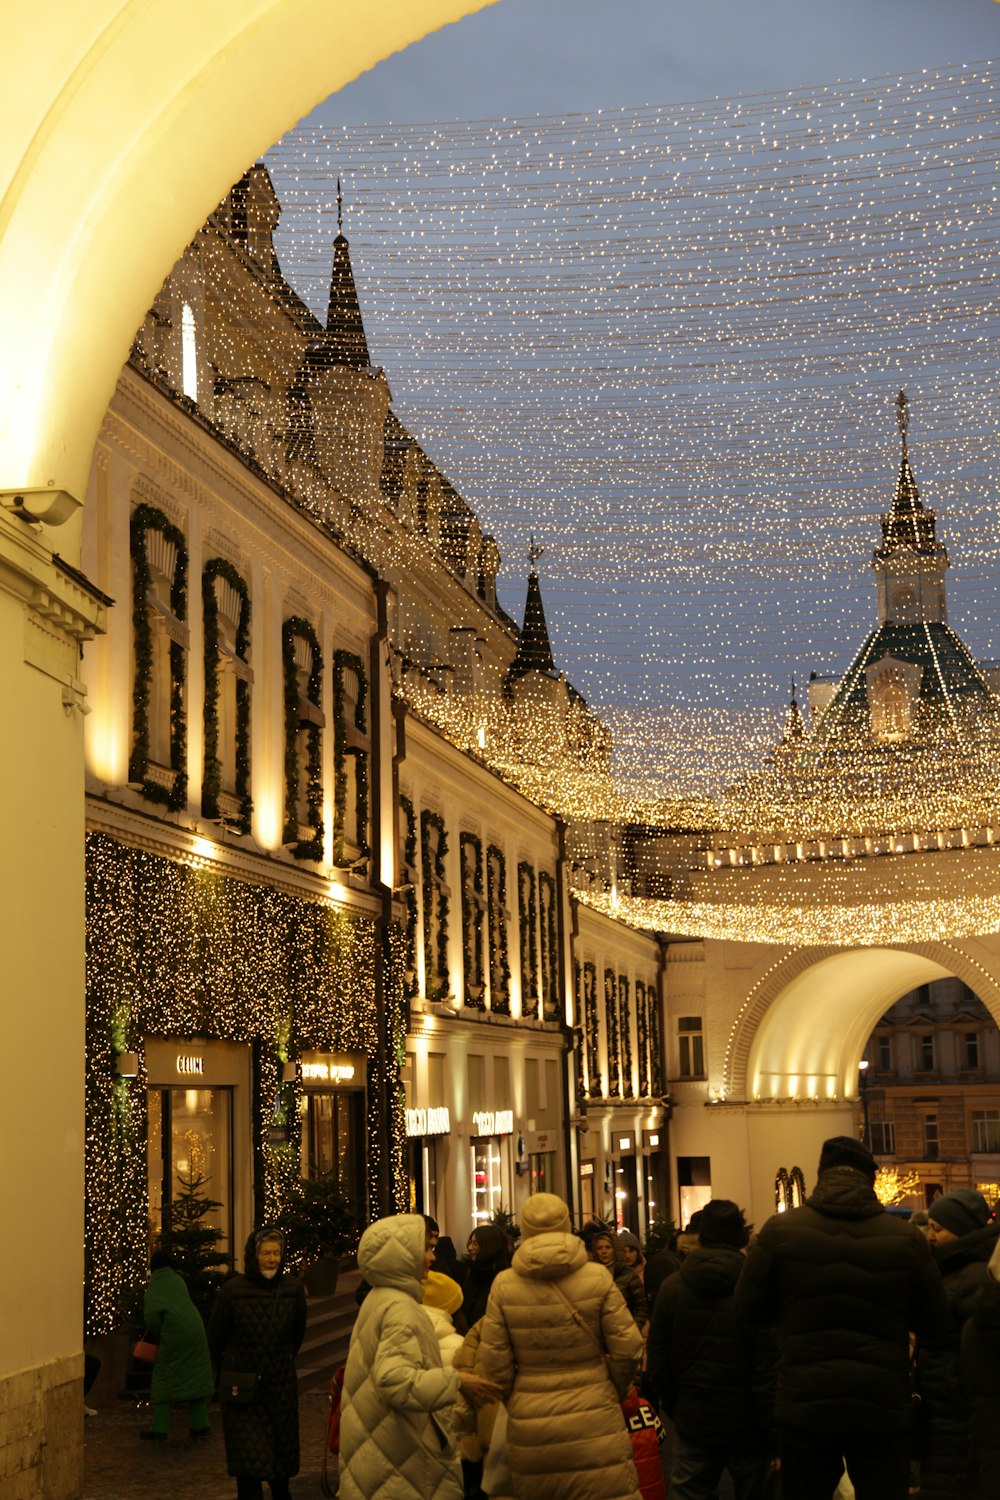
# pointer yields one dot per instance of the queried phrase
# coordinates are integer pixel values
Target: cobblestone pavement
(118, 1465)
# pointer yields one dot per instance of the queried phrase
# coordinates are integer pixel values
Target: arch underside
(124, 125)
(803, 1027)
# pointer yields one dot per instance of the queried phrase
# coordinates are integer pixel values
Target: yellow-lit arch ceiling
(123, 125)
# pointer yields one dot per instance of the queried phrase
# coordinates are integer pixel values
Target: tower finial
(902, 415)
(534, 553)
(340, 209)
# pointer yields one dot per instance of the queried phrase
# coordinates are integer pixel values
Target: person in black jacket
(256, 1327)
(981, 1371)
(609, 1252)
(962, 1240)
(705, 1369)
(846, 1284)
(489, 1254)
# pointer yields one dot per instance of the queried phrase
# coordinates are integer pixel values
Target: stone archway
(124, 125)
(791, 1065)
(803, 1024)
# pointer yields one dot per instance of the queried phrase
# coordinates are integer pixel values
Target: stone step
(328, 1333)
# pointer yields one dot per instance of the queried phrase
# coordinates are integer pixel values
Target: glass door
(190, 1156)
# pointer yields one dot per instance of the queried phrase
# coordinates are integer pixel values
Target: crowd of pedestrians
(839, 1346)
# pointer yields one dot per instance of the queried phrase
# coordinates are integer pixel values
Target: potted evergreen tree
(319, 1226)
(193, 1242)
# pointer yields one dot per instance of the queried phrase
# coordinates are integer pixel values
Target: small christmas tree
(193, 1242)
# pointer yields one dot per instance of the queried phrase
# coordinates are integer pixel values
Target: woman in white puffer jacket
(563, 1347)
(396, 1440)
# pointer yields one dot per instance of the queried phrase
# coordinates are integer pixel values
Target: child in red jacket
(646, 1432)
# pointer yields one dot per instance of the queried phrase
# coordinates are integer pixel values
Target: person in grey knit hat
(962, 1240)
(957, 1214)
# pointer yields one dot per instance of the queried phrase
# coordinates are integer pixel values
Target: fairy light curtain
(667, 341)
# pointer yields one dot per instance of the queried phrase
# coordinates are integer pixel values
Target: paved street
(118, 1465)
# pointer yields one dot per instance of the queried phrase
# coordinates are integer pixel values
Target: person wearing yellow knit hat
(442, 1299)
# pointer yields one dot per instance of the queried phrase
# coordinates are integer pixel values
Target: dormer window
(893, 686)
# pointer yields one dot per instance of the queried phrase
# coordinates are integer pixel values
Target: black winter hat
(845, 1151)
(722, 1223)
(962, 1211)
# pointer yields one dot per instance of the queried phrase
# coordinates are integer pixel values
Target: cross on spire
(534, 553)
(902, 415)
(340, 209)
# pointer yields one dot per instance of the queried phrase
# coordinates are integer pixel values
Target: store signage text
(188, 1065)
(324, 1072)
(428, 1122)
(493, 1122)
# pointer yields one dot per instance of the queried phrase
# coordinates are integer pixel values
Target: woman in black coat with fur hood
(256, 1327)
(962, 1240)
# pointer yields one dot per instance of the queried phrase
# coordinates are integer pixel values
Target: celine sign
(428, 1122)
(493, 1122)
(188, 1065)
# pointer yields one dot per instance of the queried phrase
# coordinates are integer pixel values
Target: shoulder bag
(239, 1387)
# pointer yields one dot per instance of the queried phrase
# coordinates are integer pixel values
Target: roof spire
(345, 342)
(795, 728)
(907, 524)
(534, 653)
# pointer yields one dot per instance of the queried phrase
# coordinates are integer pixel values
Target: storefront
(625, 1187)
(425, 1130)
(538, 1160)
(654, 1167)
(198, 1101)
(490, 1163)
(333, 1119)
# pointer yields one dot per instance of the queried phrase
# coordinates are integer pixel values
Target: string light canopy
(667, 341)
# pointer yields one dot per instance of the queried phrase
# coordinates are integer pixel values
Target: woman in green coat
(183, 1369)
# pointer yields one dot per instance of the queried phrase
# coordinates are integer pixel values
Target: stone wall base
(41, 1432)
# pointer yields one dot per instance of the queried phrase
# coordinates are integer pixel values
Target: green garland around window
(178, 952)
(409, 931)
(148, 518)
(347, 661)
(435, 894)
(611, 1031)
(591, 1030)
(471, 868)
(641, 1039)
(656, 1082)
(551, 1008)
(578, 1037)
(496, 892)
(625, 1034)
(310, 848)
(527, 918)
(211, 785)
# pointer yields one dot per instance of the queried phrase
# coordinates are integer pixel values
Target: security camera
(49, 505)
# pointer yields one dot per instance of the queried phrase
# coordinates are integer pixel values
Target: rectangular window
(930, 1137)
(972, 1049)
(986, 1130)
(690, 1047)
(883, 1137)
(927, 1054)
(885, 1054)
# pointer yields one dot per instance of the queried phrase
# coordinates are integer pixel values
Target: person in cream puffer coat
(396, 1440)
(566, 1437)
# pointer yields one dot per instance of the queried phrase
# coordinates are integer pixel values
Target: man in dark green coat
(846, 1284)
(183, 1369)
